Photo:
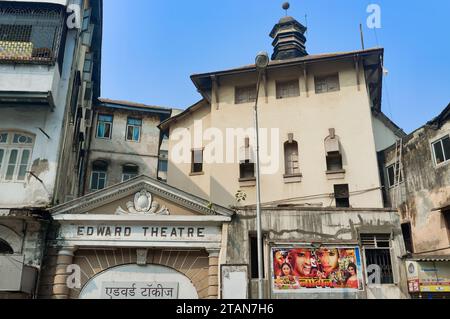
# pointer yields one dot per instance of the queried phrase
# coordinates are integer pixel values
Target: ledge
(336, 174)
(197, 174)
(294, 178)
(248, 182)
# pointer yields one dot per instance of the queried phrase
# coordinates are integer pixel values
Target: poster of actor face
(317, 270)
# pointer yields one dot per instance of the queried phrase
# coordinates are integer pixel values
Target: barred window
(30, 34)
(377, 249)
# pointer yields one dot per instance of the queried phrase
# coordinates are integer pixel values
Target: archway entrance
(139, 282)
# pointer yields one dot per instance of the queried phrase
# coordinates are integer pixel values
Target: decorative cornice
(156, 188)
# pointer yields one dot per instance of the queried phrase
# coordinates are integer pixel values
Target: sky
(152, 47)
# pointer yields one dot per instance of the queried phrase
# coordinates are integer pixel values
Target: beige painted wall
(308, 117)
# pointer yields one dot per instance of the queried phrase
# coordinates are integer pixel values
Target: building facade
(125, 143)
(49, 75)
(141, 239)
(417, 179)
(327, 233)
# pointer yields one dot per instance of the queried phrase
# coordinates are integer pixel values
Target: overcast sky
(151, 47)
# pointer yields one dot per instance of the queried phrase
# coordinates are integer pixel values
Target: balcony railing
(30, 35)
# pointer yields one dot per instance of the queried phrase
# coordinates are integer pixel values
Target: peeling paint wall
(425, 191)
(27, 238)
(38, 192)
(327, 227)
(118, 152)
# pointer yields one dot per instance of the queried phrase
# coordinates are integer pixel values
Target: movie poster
(317, 270)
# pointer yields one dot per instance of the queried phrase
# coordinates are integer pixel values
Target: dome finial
(286, 7)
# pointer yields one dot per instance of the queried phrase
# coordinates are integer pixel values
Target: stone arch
(186, 287)
(194, 264)
(11, 238)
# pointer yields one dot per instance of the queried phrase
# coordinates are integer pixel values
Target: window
(334, 162)
(342, 196)
(447, 219)
(15, 156)
(30, 34)
(333, 152)
(129, 171)
(104, 126)
(441, 150)
(288, 89)
(407, 237)
(163, 161)
(247, 165)
(254, 256)
(393, 173)
(134, 129)
(99, 175)
(245, 94)
(377, 249)
(5, 248)
(291, 158)
(75, 94)
(329, 83)
(197, 161)
(247, 170)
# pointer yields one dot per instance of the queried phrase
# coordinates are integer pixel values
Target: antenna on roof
(286, 7)
(306, 23)
(362, 35)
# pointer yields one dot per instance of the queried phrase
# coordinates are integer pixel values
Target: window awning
(8, 98)
(431, 258)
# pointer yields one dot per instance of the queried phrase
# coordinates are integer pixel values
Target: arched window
(247, 164)
(129, 171)
(15, 156)
(5, 248)
(99, 175)
(333, 151)
(291, 158)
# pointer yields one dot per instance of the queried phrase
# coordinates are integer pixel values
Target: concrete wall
(384, 136)
(117, 151)
(324, 226)
(426, 189)
(27, 238)
(309, 117)
(45, 156)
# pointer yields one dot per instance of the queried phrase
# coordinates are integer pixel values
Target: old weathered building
(49, 76)
(140, 239)
(124, 143)
(417, 180)
(327, 233)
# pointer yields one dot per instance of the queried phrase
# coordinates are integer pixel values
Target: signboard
(434, 277)
(150, 282)
(133, 233)
(300, 270)
(413, 276)
(235, 282)
(137, 290)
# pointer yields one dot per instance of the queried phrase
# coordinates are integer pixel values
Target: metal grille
(381, 258)
(378, 252)
(30, 35)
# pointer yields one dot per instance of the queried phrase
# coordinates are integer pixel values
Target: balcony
(31, 52)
